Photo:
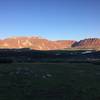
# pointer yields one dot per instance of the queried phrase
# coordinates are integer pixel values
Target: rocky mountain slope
(38, 43)
(90, 43)
(35, 43)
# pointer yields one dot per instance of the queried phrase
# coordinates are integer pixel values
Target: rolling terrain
(32, 68)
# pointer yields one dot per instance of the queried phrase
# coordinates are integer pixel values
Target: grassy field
(49, 81)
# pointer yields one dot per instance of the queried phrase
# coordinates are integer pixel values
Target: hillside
(90, 43)
(37, 43)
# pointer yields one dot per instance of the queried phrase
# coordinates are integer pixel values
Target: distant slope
(35, 43)
(90, 43)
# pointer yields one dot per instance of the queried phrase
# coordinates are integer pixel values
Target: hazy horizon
(50, 19)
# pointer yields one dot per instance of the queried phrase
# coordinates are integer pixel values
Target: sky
(51, 19)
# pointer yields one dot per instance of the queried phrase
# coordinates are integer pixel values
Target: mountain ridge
(38, 43)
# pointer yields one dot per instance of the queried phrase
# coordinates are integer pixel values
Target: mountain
(90, 43)
(38, 43)
(35, 43)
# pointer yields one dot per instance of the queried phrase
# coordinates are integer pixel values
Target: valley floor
(49, 81)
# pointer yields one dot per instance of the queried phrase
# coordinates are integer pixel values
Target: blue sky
(51, 19)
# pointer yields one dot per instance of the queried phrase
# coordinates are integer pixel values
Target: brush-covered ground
(49, 81)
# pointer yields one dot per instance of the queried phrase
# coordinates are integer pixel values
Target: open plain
(49, 81)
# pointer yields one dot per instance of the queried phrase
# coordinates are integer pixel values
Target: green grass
(49, 81)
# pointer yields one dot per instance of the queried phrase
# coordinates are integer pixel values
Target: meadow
(49, 81)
